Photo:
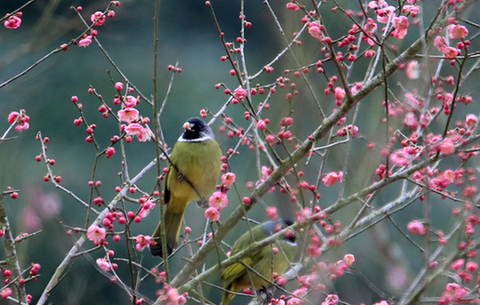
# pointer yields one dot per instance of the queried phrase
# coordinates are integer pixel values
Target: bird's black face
(196, 130)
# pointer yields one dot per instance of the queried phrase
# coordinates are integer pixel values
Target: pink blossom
(240, 93)
(447, 147)
(458, 264)
(145, 135)
(134, 129)
(96, 234)
(456, 31)
(401, 25)
(119, 86)
(450, 52)
(130, 101)
(383, 14)
(370, 27)
(339, 93)
(472, 266)
(332, 178)
(261, 125)
(416, 227)
(440, 42)
(110, 152)
(12, 117)
(413, 70)
(292, 6)
(272, 212)
(98, 15)
(219, 200)
(295, 301)
(128, 114)
(349, 259)
(228, 179)
(377, 4)
(400, 157)
(212, 213)
(146, 208)
(142, 241)
(314, 30)
(85, 42)
(470, 120)
(13, 22)
(413, 10)
(103, 263)
(304, 214)
(331, 299)
(410, 120)
(6, 293)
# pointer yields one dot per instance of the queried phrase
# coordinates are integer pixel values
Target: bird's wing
(235, 271)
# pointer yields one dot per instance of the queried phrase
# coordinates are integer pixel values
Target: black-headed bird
(237, 276)
(193, 174)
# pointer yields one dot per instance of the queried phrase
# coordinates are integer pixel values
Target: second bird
(195, 161)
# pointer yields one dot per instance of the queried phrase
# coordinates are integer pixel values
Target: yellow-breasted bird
(195, 158)
(236, 276)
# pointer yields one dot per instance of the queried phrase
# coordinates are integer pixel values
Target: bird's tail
(173, 223)
(226, 298)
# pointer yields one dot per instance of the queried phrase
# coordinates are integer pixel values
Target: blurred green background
(187, 36)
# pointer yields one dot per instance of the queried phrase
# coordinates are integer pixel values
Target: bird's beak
(187, 126)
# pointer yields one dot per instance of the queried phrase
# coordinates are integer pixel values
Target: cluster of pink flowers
(13, 21)
(455, 31)
(131, 116)
(21, 120)
(170, 296)
(453, 294)
(219, 199)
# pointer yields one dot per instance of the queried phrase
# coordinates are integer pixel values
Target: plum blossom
(128, 114)
(96, 234)
(413, 10)
(6, 293)
(447, 147)
(219, 200)
(450, 52)
(130, 101)
(13, 22)
(413, 70)
(401, 25)
(400, 157)
(135, 129)
(383, 14)
(331, 299)
(416, 227)
(142, 241)
(240, 93)
(103, 263)
(440, 42)
(212, 213)
(292, 6)
(146, 208)
(470, 120)
(228, 179)
(98, 15)
(456, 31)
(85, 42)
(332, 178)
(315, 31)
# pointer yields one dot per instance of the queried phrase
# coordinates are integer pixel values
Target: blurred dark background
(187, 36)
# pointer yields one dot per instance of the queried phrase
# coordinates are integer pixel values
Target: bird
(236, 276)
(193, 171)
